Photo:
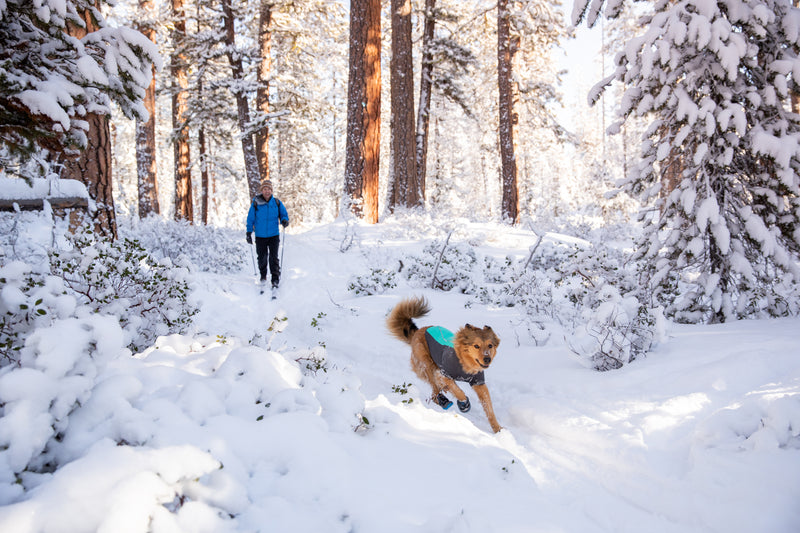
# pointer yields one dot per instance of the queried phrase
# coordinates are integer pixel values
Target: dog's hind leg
(427, 372)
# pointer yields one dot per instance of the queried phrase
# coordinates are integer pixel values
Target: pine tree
(363, 109)
(444, 70)
(179, 68)
(404, 183)
(239, 89)
(50, 80)
(507, 47)
(717, 78)
(147, 169)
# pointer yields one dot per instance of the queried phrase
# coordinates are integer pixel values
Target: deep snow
(215, 432)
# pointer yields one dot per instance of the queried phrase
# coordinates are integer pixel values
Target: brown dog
(440, 358)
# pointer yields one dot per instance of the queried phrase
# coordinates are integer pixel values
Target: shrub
(444, 266)
(378, 281)
(210, 249)
(27, 301)
(148, 297)
(615, 331)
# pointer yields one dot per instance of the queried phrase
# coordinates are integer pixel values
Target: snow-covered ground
(303, 415)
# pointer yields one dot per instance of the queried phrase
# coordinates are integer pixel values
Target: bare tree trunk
(204, 192)
(507, 46)
(242, 107)
(184, 208)
(425, 90)
(146, 168)
(93, 166)
(407, 191)
(262, 95)
(362, 158)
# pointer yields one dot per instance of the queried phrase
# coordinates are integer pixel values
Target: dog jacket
(440, 345)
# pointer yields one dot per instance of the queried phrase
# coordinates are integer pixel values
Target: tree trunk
(204, 191)
(671, 171)
(93, 166)
(242, 107)
(407, 191)
(425, 90)
(184, 208)
(262, 95)
(362, 158)
(507, 46)
(146, 168)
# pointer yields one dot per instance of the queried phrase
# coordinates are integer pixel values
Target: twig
(441, 255)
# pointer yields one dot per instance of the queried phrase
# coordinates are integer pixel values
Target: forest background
(257, 91)
(566, 163)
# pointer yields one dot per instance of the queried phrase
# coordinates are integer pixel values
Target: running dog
(441, 358)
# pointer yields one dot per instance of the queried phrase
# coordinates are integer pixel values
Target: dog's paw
(443, 401)
(464, 406)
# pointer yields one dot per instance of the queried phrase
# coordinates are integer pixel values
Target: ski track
(585, 458)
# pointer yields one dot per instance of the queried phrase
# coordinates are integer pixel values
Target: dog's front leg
(486, 401)
(449, 385)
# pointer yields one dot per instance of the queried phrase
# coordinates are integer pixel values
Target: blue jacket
(264, 216)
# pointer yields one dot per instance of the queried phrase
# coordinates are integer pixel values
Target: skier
(266, 212)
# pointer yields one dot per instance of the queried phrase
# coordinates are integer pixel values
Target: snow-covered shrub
(378, 281)
(27, 301)
(444, 266)
(148, 297)
(209, 248)
(558, 287)
(615, 331)
(54, 375)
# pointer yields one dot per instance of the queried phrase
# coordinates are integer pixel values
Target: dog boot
(442, 400)
(463, 406)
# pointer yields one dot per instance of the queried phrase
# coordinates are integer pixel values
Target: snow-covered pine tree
(50, 80)
(723, 241)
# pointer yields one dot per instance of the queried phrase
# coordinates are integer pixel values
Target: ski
(274, 293)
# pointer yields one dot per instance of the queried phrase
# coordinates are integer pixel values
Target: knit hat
(266, 183)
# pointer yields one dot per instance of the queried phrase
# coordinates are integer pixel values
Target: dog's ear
(491, 332)
(469, 326)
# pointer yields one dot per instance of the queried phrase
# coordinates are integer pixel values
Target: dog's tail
(400, 321)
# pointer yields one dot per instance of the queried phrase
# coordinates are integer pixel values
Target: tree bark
(146, 168)
(184, 208)
(507, 46)
(262, 94)
(406, 186)
(242, 106)
(204, 190)
(362, 157)
(93, 166)
(425, 90)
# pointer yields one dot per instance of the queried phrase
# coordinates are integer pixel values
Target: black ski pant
(267, 250)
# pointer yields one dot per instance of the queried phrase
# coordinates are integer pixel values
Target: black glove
(249, 237)
(285, 223)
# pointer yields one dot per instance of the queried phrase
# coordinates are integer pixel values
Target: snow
(233, 428)
(19, 189)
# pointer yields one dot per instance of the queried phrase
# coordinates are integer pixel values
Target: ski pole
(283, 244)
(253, 256)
